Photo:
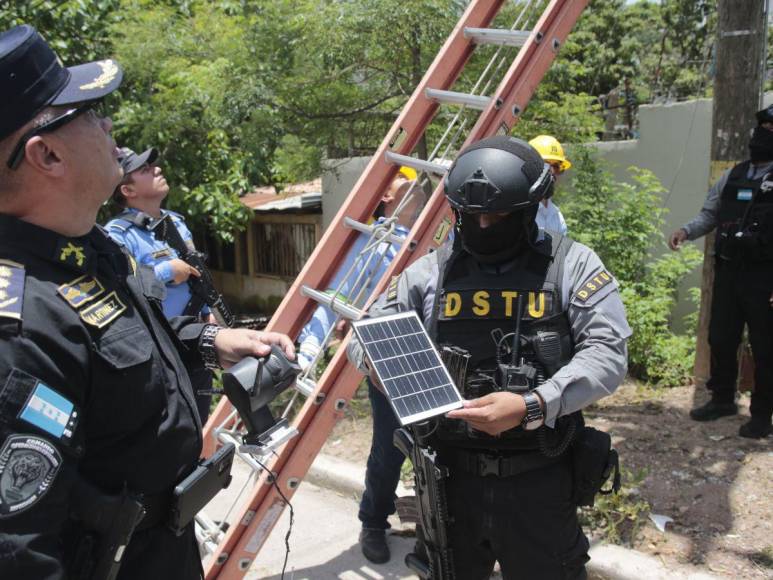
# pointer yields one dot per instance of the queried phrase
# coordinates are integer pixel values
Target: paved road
(323, 543)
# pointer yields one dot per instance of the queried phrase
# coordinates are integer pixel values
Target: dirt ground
(715, 485)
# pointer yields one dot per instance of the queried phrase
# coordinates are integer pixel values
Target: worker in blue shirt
(140, 194)
(385, 460)
(549, 217)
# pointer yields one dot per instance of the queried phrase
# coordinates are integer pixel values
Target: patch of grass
(763, 558)
(618, 517)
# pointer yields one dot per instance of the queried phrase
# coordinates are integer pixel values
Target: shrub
(622, 223)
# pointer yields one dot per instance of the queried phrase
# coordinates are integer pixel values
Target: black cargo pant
(526, 522)
(741, 296)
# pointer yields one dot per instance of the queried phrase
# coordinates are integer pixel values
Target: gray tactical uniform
(598, 325)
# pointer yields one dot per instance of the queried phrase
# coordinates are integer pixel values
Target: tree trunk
(740, 52)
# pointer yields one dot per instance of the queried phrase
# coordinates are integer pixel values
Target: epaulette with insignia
(11, 289)
(119, 225)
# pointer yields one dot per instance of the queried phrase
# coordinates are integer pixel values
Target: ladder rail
(226, 561)
(242, 541)
(362, 200)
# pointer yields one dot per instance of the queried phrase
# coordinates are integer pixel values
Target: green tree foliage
(622, 221)
(78, 30)
(663, 47)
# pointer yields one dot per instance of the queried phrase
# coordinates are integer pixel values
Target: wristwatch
(207, 346)
(534, 416)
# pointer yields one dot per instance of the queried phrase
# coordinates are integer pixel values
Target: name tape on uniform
(104, 311)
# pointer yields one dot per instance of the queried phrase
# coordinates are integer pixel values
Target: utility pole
(740, 50)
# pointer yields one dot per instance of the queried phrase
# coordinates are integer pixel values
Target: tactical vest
(745, 217)
(475, 309)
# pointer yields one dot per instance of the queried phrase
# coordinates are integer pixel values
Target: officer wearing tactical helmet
(740, 206)
(504, 282)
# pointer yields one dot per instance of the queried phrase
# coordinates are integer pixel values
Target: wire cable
(273, 476)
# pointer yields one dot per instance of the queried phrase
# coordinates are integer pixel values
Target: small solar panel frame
(449, 387)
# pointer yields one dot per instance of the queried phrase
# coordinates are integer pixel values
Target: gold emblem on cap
(72, 249)
(109, 72)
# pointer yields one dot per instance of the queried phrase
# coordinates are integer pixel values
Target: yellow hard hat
(551, 151)
(408, 172)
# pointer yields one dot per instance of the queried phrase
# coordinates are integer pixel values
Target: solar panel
(400, 351)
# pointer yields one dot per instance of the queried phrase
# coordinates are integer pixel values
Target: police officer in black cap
(740, 206)
(504, 282)
(97, 414)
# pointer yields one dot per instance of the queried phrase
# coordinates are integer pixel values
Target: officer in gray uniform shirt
(510, 495)
(740, 206)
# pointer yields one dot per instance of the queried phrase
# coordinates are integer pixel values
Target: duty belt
(496, 464)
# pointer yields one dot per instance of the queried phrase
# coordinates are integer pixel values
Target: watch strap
(207, 346)
(534, 416)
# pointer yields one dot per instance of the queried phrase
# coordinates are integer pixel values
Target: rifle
(202, 288)
(431, 502)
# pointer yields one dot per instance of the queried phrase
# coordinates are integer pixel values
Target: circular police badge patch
(28, 466)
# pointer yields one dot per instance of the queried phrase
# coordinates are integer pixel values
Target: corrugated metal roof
(299, 196)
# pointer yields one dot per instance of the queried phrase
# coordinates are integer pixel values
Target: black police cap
(32, 78)
(765, 115)
(131, 161)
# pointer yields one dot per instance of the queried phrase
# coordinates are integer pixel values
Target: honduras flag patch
(51, 412)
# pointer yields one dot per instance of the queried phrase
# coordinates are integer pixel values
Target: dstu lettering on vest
(534, 310)
(482, 307)
(453, 304)
(494, 304)
(509, 296)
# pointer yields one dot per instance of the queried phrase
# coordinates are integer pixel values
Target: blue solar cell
(408, 365)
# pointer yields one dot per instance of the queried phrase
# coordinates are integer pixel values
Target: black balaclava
(761, 145)
(501, 241)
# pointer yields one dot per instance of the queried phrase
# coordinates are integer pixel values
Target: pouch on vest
(594, 461)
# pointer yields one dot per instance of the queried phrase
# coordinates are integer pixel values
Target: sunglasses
(49, 126)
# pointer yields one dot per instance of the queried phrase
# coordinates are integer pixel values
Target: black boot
(374, 546)
(713, 410)
(756, 428)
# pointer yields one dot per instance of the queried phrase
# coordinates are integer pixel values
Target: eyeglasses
(18, 152)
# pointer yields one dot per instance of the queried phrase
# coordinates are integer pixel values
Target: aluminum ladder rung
(366, 229)
(497, 36)
(305, 386)
(478, 102)
(417, 164)
(335, 304)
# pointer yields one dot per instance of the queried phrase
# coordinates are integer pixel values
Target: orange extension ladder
(230, 553)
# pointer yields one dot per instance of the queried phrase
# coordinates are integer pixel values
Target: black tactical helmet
(498, 174)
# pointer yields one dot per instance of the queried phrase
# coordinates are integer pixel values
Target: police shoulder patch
(28, 467)
(80, 291)
(391, 292)
(593, 285)
(11, 289)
